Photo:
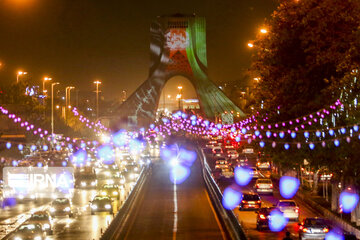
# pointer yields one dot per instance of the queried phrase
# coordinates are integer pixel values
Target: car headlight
(37, 238)
(67, 209)
(52, 209)
(122, 181)
(21, 196)
(18, 238)
(94, 207)
(93, 183)
(46, 226)
(110, 181)
(136, 169)
(107, 206)
(103, 193)
(83, 184)
(115, 193)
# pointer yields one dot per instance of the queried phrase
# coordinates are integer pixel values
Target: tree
(309, 47)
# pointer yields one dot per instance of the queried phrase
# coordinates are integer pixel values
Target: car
(217, 152)
(44, 219)
(85, 181)
(263, 165)
(101, 204)
(264, 185)
(248, 150)
(232, 154)
(289, 208)
(243, 160)
(254, 172)
(210, 144)
(28, 231)
(227, 172)
(111, 190)
(221, 163)
(313, 228)
(250, 200)
(61, 207)
(262, 218)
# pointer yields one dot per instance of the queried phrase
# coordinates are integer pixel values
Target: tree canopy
(309, 47)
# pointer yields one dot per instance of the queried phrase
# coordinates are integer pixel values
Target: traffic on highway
(261, 196)
(93, 195)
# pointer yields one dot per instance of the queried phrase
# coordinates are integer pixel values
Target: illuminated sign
(177, 39)
(39, 181)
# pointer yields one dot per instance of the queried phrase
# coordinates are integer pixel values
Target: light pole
(19, 73)
(67, 102)
(97, 82)
(44, 81)
(52, 109)
(179, 96)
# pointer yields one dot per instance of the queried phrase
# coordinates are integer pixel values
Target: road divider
(116, 227)
(228, 219)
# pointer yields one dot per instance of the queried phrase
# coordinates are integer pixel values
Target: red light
(243, 201)
(271, 186)
(262, 216)
(258, 201)
(297, 210)
(258, 185)
(325, 230)
(301, 227)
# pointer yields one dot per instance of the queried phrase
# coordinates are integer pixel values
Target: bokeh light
(348, 201)
(288, 186)
(179, 173)
(242, 175)
(231, 198)
(277, 221)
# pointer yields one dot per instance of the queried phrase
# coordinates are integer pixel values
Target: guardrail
(228, 218)
(115, 228)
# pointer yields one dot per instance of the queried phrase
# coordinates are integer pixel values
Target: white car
(248, 150)
(232, 154)
(221, 163)
(289, 208)
(227, 172)
(264, 185)
(217, 151)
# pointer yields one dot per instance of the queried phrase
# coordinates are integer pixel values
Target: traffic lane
(21, 207)
(247, 218)
(84, 225)
(167, 211)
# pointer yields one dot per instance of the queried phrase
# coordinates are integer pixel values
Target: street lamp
(52, 108)
(263, 30)
(44, 81)
(97, 82)
(250, 45)
(68, 102)
(179, 96)
(19, 73)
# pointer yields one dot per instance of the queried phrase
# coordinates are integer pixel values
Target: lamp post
(19, 73)
(97, 82)
(52, 109)
(44, 81)
(179, 96)
(67, 102)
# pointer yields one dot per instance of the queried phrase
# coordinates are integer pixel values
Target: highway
(247, 218)
(168, 211)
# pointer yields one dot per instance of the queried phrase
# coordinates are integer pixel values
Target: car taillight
(258, 185)
(325, 230)
(271, 186)
(305, 230)
(301, 227)
(296, 209)
(262, 216)
(243, 201)
(258, 201)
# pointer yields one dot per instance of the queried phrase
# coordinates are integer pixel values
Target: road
(247, 218)
(168, 211)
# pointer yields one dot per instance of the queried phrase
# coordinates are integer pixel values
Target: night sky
(78, 41)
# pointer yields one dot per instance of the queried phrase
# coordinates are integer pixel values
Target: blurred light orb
(277, 221)
(231, 198)
(348, 201)
(332, 235)
(288, 186)
(179, 173)
(242, 176)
